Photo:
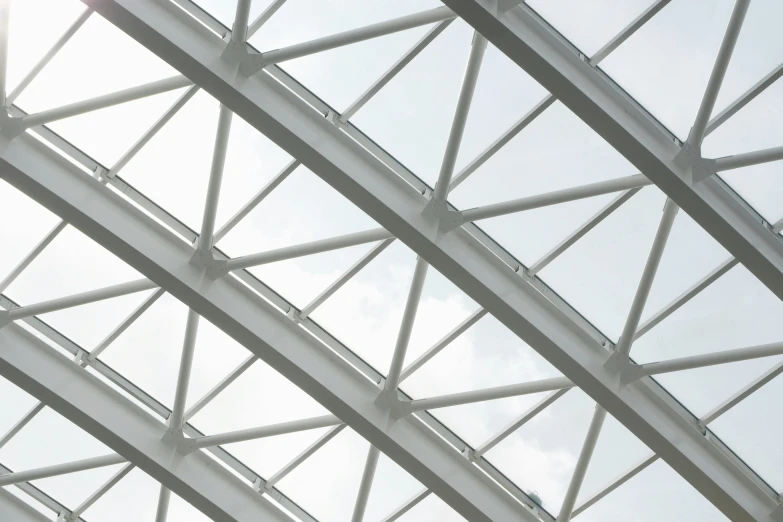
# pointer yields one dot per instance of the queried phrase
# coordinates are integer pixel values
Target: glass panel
(97, 45)
(391, 487)
(133, 498)
(665, 65)
(488, 354)
(326, 484)
(31, 222)
(541, 455)
(600, 273)
(376, 295)
(758, 51)
(89, 267)
(753, 431)
(589, 25)
(504, 93)
(753, 128)
(173, 168)
(305, 20)
(148, 352)
(616, 452)
(734, 312)
(50, 439)
(412, 115)
(657, 493)
(31, 35)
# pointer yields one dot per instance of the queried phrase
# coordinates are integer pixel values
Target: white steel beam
(361, 34)
(491, 394)
(102, 102)
(51, 53)
(699, 129)
(94, 406)
(536, 47)
(304, 455)
(370, 465)
(60, 469)
(395, 200)
(263, 431)
(97, 494)
(553, 198)
(70, 301)
(229, 304)
(585, 456)
(306, 249)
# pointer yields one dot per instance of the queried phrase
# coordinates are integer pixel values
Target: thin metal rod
(741, 395)
(21, 423)
(345, 277)
(219, 387)
(646, 280)
(79, 299)
(693, 291)
(490, 394)
(407, 506)
(686, 296)
(205, 240)
(306, 454)
(580, 232)
(747, 97)
(444, 342)
(477, 49)
(306, 249)
(60, 469)
(51, 53)
(398, 66)
(177, 419)
(92, 499)
(255, 200)
(270, 430)
(365, 486)
(548, 100)
(125, 324)
(107, 100)
(748, 158)
(712, 359)
(582, 463)
(518, 423)
(406, 325)
(554, 198)
(240, 30)
(629, 30)
(507, 136)
(5, 18)
(644, 464)
(162, 511)
(34, 253)
(263, 17)
(157, 126)
(300, 50)
(699, 128)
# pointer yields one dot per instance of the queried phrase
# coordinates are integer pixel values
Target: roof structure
(373, 260)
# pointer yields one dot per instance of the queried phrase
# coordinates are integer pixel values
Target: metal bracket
(293, 314)
(335, 119)
(252, 64)
(390, 400)
(448, 220)
(698, 167)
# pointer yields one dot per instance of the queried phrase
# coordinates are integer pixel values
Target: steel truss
(222, 290)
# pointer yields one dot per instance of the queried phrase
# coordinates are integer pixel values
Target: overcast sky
(665, 66)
